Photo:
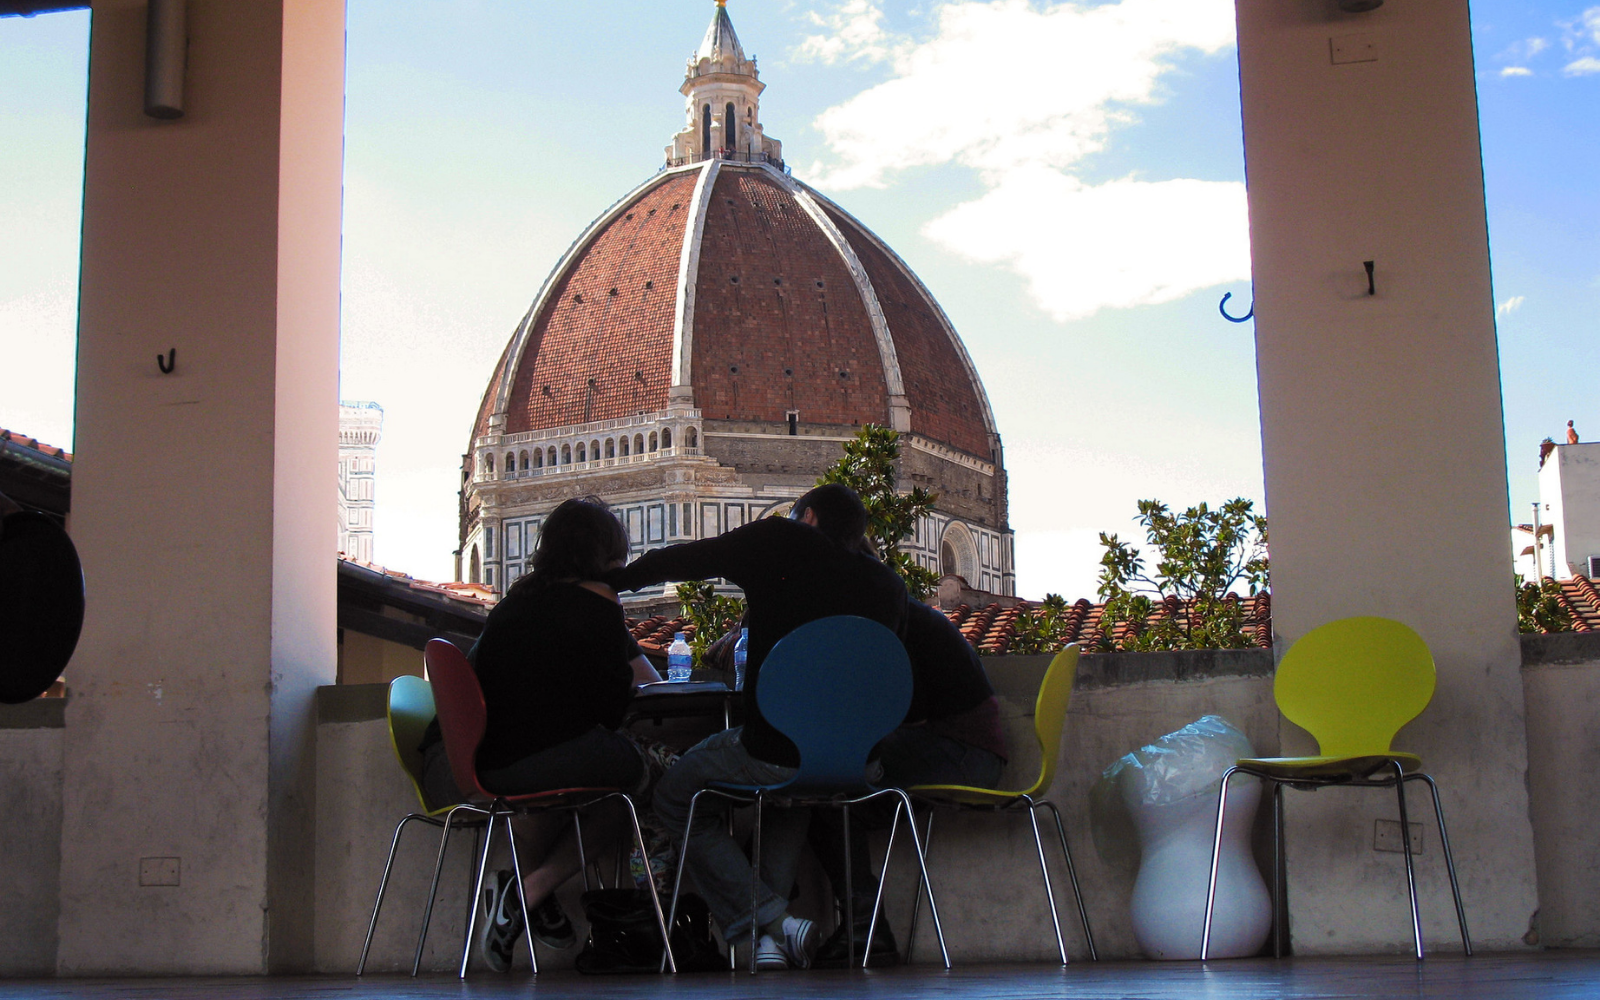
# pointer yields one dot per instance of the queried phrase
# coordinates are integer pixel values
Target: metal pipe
(166, 45)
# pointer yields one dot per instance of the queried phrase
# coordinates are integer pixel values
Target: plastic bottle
(741, 651)
(679, 659)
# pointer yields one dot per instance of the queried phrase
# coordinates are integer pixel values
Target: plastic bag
(1189, 761)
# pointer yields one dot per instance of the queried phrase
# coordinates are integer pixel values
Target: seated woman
(557, 667)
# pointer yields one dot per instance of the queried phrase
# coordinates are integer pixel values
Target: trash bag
(1189, 761)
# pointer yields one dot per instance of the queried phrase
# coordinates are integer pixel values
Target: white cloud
(1582, 67)
(1086, 247)
(1510, 305)
(1022, 93)
(854, 32)
(1004, 84)
(1516, 71)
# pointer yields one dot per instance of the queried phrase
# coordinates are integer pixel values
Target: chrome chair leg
(383, 886)
(1216, 856)
(849, 896)
(677, 880)
(1044, 870)
(877, 900)
(472, 868)
(1405, 845)
(522, 898)
(433, 887)
(477, 890)
(922, 865)
(755, 881)
(655, 897)
(1449, 858)
(1279, 915)
(1072, 873)
(916, 897)
(583, 861)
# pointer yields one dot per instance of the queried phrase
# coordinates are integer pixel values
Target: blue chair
(835, 687)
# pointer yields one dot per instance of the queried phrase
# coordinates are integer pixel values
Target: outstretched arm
(730, 556)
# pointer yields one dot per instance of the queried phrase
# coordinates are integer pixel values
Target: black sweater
(949, 677)
(553, 664)
(791, 574)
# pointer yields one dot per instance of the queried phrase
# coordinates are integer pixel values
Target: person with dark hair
(814, 564)
(952, 735)
(558, 668)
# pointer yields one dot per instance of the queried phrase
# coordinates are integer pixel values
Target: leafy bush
(1202, 554)
(709, 612)
(1539, 607)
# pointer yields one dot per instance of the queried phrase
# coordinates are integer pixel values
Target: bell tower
(722, 110)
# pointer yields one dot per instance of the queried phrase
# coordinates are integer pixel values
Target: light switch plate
(1353, 48)
(1386, 837)
(159, 871)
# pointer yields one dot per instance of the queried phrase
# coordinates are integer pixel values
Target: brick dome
(731, 285)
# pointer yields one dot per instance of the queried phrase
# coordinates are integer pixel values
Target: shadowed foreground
(1503, 977)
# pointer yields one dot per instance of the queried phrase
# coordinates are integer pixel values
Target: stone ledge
(1559, 648)
(40, 713)
(352, 702)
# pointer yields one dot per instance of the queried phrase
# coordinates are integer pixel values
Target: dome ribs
(584, 332)
(788, 336)
(945, 403)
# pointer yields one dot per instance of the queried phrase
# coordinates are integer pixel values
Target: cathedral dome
(727, 317)
(737, 287)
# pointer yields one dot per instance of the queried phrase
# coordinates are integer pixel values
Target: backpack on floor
(623, 936)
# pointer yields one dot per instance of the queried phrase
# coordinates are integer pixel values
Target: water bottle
(679, 659)
(741, 651)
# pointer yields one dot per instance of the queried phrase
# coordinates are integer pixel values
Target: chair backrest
(1354, 682)
(462, 716)
(835, 686)
(1050, 713)
(410, 711)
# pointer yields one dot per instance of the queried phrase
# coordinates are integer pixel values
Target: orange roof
(22, 440)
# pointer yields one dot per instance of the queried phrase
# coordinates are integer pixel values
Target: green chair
(410, 712)
(1351, 684)
(1049, 719)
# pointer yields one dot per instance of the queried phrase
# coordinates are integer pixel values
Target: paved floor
(1558, 974)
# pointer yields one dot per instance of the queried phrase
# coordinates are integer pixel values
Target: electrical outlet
(1353, 49)
(159, 871)
(1386, 836)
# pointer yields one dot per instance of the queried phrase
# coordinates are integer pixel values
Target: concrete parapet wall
(984, 866)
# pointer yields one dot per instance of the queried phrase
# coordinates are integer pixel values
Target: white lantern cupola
(723, 108)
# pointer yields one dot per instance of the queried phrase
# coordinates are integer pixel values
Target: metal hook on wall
(1372, 288)
(1222, 307)
(169, 362)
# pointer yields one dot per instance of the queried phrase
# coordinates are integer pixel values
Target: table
(683, 700)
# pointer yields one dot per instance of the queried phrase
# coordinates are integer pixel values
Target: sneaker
(502, 922)
(799, 941)
(770, 956)
(834, 953)
(551, 927)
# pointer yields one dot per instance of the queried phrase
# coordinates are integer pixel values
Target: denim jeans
(715, 861)
(911, 755)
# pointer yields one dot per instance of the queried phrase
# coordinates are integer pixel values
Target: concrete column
(205, 499)
(1384, 444)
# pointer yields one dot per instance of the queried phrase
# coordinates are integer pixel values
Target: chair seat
(1327, 769)
(558, 796)
(966, 795)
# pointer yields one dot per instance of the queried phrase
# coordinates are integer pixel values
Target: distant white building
(1569, 501)
(360, 430)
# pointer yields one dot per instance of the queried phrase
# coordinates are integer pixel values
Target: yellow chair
(1351, 684)
(410, 712)
(1049, 719)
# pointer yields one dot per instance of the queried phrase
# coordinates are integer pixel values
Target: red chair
(462, 720)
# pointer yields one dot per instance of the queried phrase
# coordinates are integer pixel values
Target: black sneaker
(502, 922)
(834, 953)
(551, 926)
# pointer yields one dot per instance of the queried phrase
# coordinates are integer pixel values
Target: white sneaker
(770, 956)
(799, 941)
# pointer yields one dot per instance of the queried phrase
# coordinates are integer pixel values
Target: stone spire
(723, 108)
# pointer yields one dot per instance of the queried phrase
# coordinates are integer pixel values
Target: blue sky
(1023, 157)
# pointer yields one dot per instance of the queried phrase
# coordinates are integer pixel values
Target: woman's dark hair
(581, 540)
(840, 514)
